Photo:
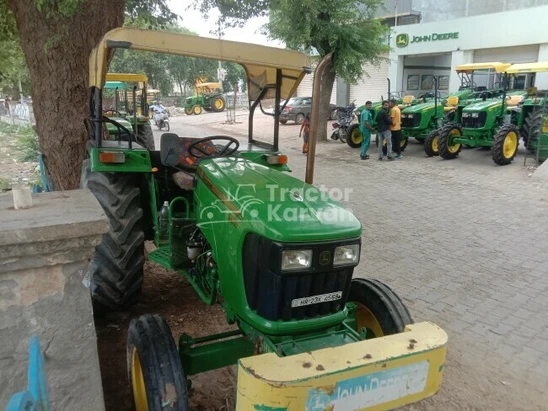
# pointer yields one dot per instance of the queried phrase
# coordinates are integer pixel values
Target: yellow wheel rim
(402, 143)
(510, 144)
(356, 136)
(219, 104)
(366, 319)
(435, 144)
(455, 147)
(197, 110)
(138, 382)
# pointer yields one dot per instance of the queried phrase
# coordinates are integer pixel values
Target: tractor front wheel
(197, 109)
(378, 309)
(154, 367)
(145, 136)
(431, 144)
(116, 268)
(505, 145)
(188, 111)
(447, 149)
(354, 136)
(218, 104)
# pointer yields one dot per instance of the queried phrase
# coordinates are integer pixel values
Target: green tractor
(122, 112)
(532, 110)
(208, 97)
(274, 252)
(422, 120)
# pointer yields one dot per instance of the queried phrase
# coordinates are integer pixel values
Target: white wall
(541, 81)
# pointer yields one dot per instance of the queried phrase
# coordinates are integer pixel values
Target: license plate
(316, 299)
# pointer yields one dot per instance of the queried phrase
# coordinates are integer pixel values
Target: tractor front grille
(474, 122)
(270, 292)
(411, 122)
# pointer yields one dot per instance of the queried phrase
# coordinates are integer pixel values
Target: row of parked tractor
(494, 117)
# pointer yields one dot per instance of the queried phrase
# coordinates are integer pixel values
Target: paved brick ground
(464, 243)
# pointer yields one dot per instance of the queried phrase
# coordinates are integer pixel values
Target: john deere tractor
(208, 97)
(128, 89)
(307, 335)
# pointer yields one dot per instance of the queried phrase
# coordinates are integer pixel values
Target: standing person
(7, 105)
(366, 119)
(395, 129)
(305, 126)
(383, 128)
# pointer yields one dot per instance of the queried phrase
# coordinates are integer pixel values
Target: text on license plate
(316, 299)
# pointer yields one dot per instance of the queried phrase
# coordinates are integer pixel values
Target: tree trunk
(57, 50)
(326, 88)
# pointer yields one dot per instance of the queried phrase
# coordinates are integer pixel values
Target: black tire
(382, 302)
(221, 101)
(354, 136)
(283, 121)
(197, 109)
(116, 268)
(299, 118)
(150, 342)
(342, 135)
(505, 145)
(403, 146)
(531, 128)
(145, 136)
(431, 143)
(449, 152)
(188, 111)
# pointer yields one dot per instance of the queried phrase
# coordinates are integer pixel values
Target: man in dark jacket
(383, 128)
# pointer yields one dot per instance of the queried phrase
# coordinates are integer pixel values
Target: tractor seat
(406, 101)
(174, 153)
(513, 101)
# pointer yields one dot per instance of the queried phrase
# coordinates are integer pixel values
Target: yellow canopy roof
(468, 68)
(528, 68)
(126, 78)
(260, 62)
(209, 85)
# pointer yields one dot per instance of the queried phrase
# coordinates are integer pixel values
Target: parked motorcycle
(162, 120)
(345, 116)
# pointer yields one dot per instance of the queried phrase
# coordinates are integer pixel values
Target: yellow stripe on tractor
(377, 374)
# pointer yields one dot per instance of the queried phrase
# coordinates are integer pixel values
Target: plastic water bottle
(164, 224)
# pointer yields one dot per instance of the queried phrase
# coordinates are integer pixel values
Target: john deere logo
(402, 40)
(325, 257)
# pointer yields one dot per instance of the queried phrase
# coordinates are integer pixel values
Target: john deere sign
(402, 40)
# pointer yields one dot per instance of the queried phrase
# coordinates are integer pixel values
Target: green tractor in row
(135, 118)
(209, 97)
(493, 123)
(274, 252)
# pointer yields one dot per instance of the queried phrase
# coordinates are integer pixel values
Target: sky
(194, 21)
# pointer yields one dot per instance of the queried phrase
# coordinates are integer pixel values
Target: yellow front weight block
(377, 374)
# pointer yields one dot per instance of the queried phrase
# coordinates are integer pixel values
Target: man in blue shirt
(366, 119)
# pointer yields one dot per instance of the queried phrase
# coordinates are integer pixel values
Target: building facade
(431, 37)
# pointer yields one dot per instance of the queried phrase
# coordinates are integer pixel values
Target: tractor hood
(271, 203)
(483, 105)
(420, 108)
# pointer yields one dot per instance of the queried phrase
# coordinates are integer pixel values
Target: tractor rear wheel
(505, 145)
(145, 136)
(116, 268)
(379, 309)
(354, 136)
(188, 111)
(431, 143)
(154, 367)
(218, 104)
(197, 109)
(531, 127)
(446, 148)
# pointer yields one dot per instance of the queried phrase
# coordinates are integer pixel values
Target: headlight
(346, 254)
(410, 115)
(466, 114)
(475, 115)
(296, 259)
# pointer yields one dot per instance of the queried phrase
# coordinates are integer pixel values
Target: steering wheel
(194, 148)
(113, 112)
